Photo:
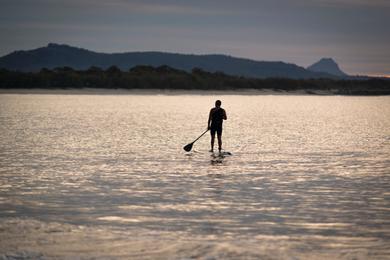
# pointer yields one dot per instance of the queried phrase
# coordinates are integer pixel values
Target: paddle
(188, 147)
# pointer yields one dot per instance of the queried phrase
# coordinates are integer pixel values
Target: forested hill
(164, 77)
(56, 55)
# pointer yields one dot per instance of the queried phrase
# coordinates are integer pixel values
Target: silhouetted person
(216, 117)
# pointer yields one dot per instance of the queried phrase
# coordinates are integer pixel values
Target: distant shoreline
(167, 92)
(169, 81)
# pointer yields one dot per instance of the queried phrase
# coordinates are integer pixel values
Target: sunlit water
(105, 176)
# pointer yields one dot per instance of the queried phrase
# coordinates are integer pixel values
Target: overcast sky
(356, 33)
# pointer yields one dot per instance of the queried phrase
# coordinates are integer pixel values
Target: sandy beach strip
(100, 91)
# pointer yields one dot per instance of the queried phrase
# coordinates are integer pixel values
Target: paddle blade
(188, 147)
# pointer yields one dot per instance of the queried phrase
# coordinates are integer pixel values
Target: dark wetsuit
(216, 121)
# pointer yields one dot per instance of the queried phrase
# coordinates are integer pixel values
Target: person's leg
(219, 135)
(219, 143)
(212, 133)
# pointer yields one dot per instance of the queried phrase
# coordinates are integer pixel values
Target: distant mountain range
(60, 55)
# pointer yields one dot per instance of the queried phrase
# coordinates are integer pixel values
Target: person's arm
(224, 115)
(208, 123)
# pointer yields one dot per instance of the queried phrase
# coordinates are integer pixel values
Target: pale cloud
(348, 3)
(159, 8)
(140, 7)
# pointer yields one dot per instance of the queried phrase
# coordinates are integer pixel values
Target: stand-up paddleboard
(221, 154)
(218, 157)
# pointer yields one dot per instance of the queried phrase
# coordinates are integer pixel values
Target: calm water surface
(105, 176)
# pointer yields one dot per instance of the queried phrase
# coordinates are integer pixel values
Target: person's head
(218, 103)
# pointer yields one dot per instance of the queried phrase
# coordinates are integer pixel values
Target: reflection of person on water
(216, 117)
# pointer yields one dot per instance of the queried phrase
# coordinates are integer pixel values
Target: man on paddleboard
(216, 117)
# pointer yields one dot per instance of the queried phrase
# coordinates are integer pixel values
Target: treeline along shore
(167, 78)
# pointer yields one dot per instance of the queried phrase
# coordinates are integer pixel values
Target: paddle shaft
(200, 136)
